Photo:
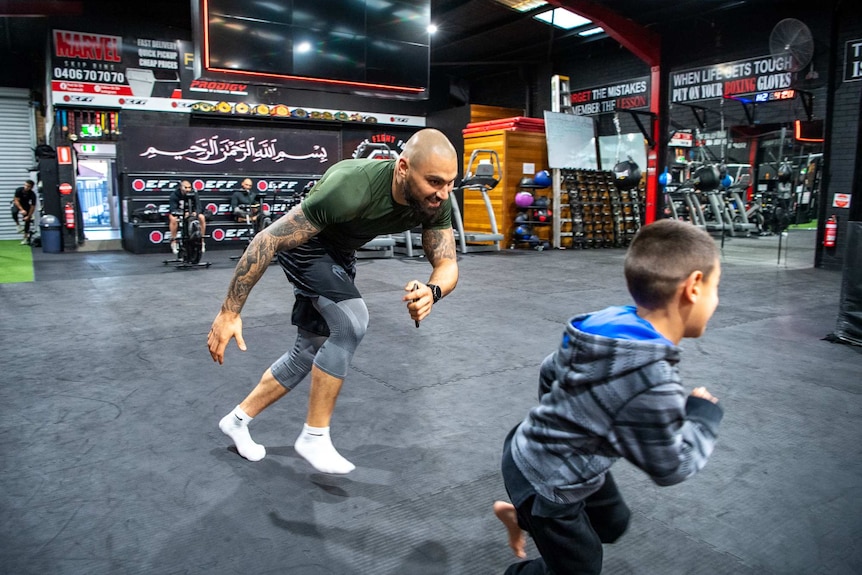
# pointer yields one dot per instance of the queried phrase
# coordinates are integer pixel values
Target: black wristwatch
(436, 292)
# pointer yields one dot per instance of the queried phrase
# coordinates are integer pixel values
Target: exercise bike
(747, 217)
(189, 242)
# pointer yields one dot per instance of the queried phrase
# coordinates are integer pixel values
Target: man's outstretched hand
(226, 326)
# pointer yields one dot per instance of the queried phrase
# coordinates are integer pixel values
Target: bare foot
(506, 513)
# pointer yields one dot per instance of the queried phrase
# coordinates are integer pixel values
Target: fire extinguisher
(69, 210)
(831, 232)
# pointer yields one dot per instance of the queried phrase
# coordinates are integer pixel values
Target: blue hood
(619, 322)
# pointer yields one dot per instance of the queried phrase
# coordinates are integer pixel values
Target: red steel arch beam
(646, 45)
(640, 41)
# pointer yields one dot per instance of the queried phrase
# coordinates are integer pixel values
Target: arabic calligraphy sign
(229, 151)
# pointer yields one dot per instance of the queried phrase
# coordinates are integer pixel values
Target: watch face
(436, 292)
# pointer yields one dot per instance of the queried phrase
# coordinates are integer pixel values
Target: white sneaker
(24, 242)
(203, 248)
(20, 228)
(175, 248)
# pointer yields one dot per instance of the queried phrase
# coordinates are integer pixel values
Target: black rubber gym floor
(113, 462)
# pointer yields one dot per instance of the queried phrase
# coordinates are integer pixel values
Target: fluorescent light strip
(591, 31)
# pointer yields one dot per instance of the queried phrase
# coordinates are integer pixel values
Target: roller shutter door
(17, 140)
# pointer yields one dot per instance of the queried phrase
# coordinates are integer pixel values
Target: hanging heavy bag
(627, 175)
(707, 178)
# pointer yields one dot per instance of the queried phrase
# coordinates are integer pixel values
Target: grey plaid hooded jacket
(602, 398)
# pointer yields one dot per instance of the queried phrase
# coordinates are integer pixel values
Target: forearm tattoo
(285, 233)
(438, 245)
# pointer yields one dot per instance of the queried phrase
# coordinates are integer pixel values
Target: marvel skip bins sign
(229, 151)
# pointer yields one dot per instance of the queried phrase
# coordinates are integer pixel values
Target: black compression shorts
(316, 271)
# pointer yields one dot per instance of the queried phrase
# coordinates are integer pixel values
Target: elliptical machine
(482, 174)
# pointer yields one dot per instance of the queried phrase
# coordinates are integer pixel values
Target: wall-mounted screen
(378, 46)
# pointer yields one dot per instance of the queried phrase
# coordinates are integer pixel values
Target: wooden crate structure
(515, 148)
(480, 113)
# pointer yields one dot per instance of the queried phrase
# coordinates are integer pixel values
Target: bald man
(316, 242)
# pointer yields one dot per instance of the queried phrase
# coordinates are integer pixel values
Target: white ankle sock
(235, 426)
(316, 447)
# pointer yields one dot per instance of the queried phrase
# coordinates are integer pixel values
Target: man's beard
(419, 207)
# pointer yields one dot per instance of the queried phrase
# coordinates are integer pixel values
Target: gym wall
(282, 158)
(694, 42)
(843, 133)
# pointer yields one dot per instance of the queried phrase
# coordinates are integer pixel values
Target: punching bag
(848, 328)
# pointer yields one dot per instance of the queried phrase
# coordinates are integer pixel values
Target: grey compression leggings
(347, 321)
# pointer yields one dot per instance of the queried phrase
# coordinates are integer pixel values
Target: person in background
(245, 206)
(23, 208)
(180, 200)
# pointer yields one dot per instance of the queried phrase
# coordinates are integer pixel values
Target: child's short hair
(662, 255)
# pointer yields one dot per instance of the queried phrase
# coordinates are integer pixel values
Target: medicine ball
(523, 199)
(664, 178)
(627, 175)
(542, 216)
(542, 179)
(540, 202)
(521, 218)
(523, 232)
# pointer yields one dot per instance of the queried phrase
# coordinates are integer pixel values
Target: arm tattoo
(438, 245)
(285, 233)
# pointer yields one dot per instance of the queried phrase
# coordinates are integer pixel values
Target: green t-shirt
(352, 204)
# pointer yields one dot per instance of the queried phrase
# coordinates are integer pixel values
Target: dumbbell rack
(594, 213)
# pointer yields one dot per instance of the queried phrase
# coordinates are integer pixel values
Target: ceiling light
(431, 28)
(591, 31)
(562, 18)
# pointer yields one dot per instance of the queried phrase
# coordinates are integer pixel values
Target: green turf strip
(16, 262)
(812, 225)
